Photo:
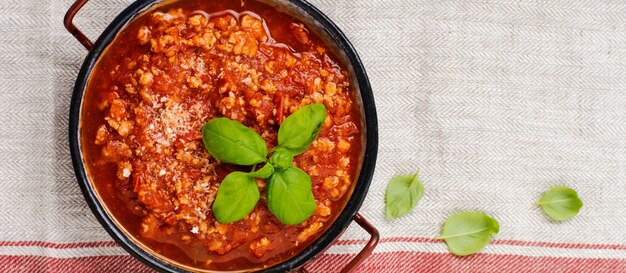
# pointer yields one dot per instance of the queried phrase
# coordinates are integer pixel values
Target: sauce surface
(180, 65)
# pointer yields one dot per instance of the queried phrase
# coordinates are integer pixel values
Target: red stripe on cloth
(59, 245)
(100, 264)
(417, 262)
(339, 242)
(394, 262)
(560, 245)
(389, 240)
(496, 242)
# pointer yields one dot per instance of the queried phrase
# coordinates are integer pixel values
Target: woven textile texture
(495, 101)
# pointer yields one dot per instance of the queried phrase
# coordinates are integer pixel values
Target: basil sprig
(281, 159)
(232, 142)
(289, 196)
(264, 172)
(468, 232)
(560, 203)
(300, 129)
(403, 194)
(236, 197)
(289, 193)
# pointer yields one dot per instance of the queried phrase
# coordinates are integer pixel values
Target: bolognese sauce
(180, 65)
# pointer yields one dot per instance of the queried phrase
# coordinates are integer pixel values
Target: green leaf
(301, 128)
(467, 233)
(264, 172)
(403, 194)
(560, 203)
(232, 142)
(281, 158)
(236, 197)
(289, 196)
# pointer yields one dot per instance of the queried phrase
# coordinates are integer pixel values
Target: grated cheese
(126, 173)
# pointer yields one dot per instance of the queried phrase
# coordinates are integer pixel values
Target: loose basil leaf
(467, 233)
(560, 203)
(403, 194)
(232, 142)
(289, 196)
(301, 128)
(281, 159)
(264, 172)
(236, 197)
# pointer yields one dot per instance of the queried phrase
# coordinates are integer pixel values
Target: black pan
(326, 29)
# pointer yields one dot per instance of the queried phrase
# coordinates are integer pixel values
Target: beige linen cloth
(495, 101)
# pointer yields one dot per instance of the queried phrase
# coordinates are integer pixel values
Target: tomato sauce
(169, 72)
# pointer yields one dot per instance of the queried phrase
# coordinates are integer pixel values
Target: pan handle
(365, 252)
(69, 24)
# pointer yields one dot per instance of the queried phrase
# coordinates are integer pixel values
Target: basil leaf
(281, 158)
(236, 197)
(467, 233)
(301, 128)
(232, 142)
(264, 172)
(560, 203)
(403, 194)
(289, 196)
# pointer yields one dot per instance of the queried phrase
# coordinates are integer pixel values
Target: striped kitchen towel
(495, 101)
